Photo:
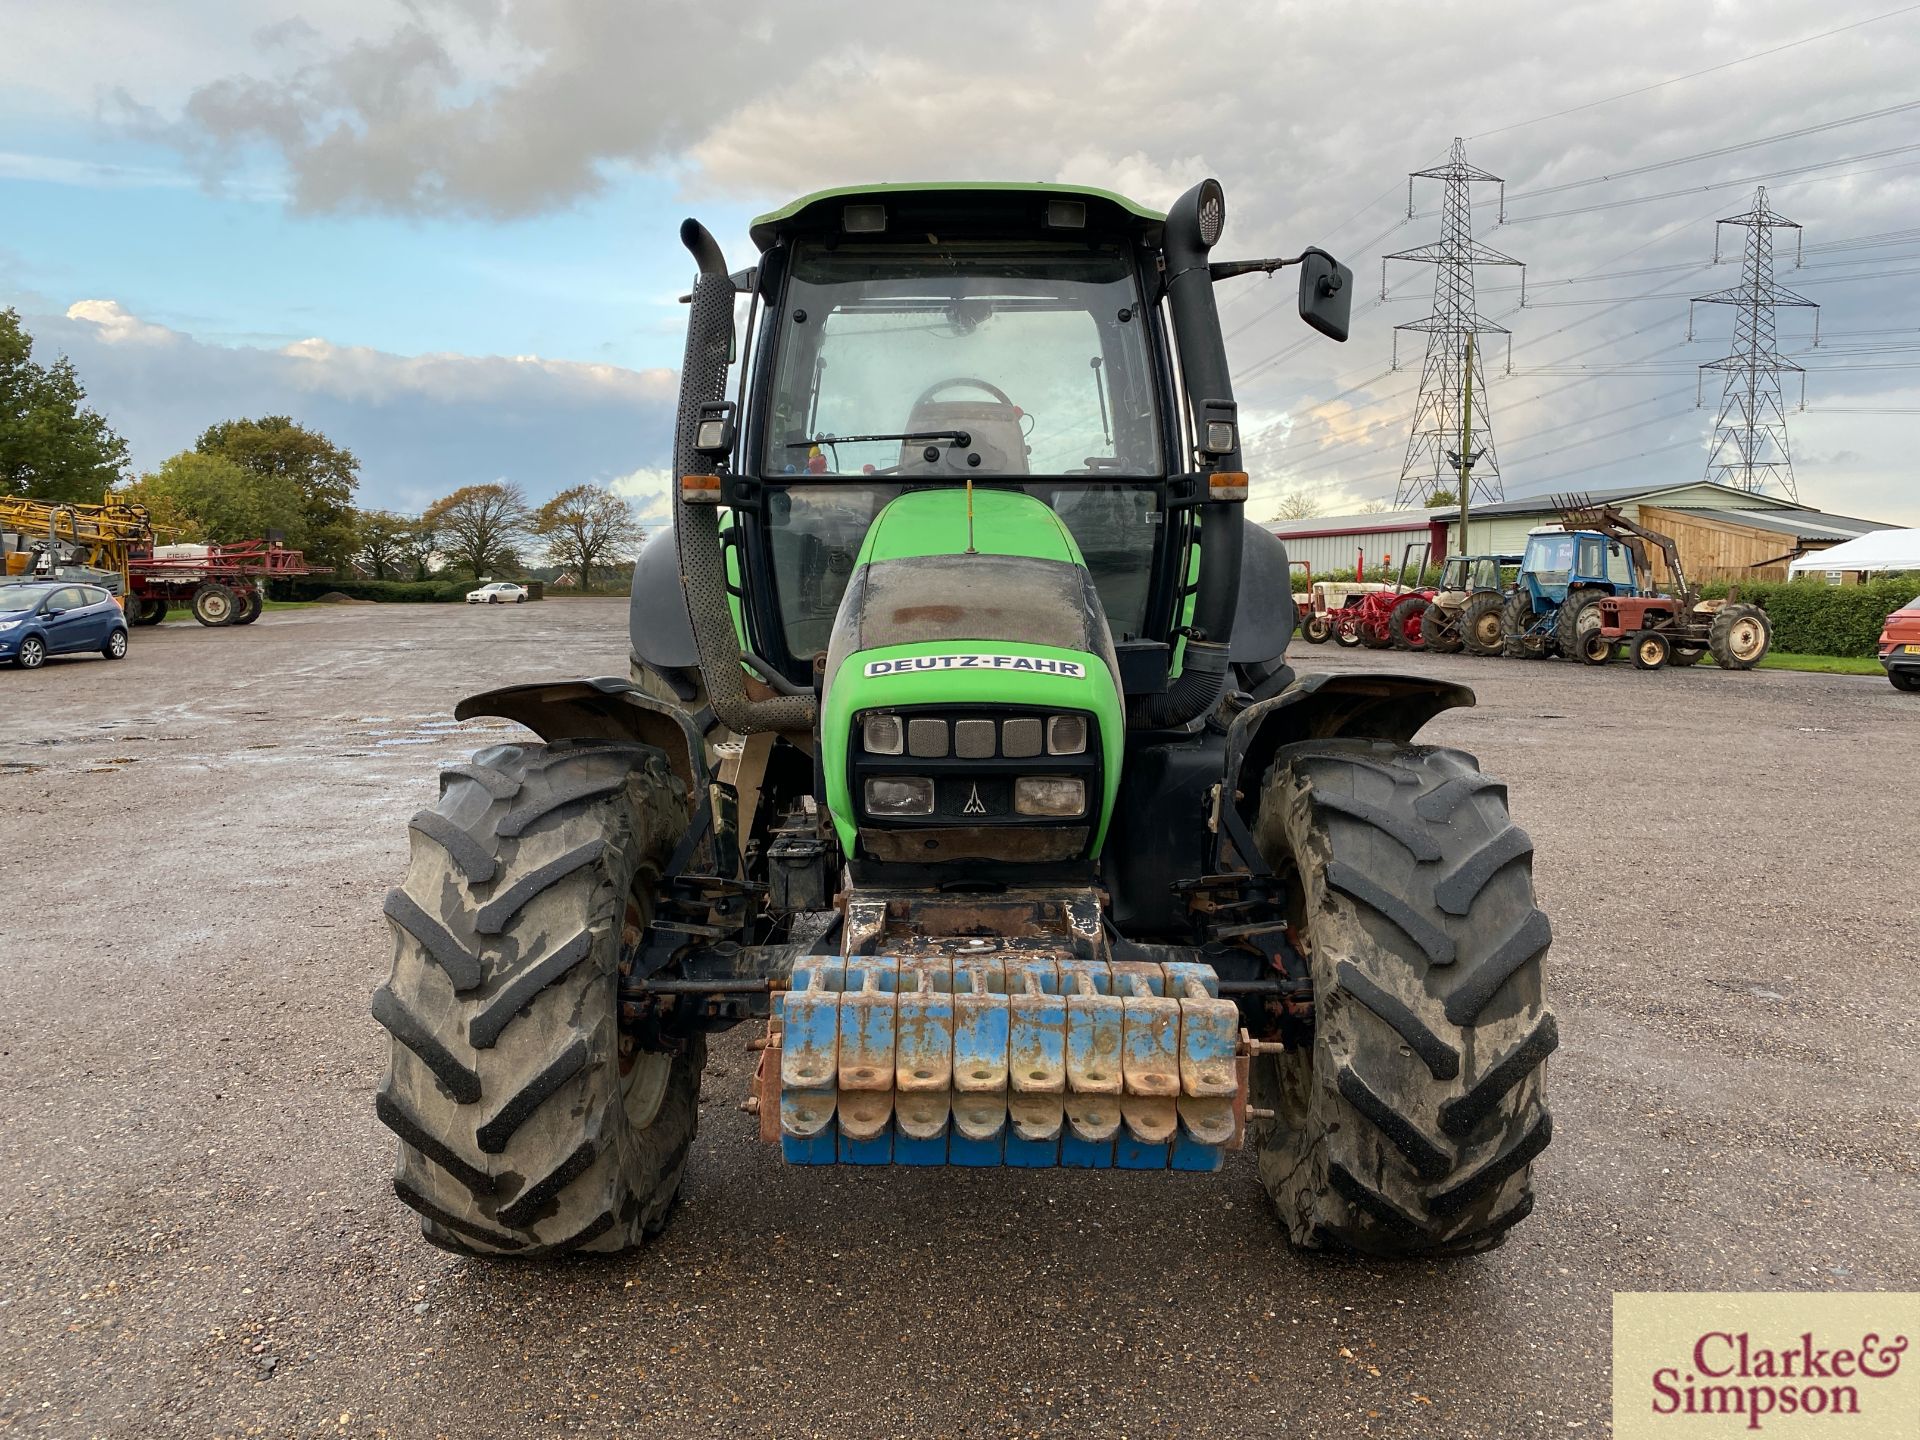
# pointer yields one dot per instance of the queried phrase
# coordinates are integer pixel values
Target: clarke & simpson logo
(1782, 1365)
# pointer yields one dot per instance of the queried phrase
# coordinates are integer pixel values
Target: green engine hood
(925, 623)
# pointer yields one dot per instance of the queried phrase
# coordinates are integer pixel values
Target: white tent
(1876, 550)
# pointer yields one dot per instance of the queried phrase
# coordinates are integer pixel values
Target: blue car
(39, 620)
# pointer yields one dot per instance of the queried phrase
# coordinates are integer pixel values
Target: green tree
(420, 547)
(52, 445)
(585, 528)
(326, 475)
(1440, 499)
(207, 497)
(384, 542)
(477, 527)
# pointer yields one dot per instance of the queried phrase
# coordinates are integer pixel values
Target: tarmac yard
(197, 1235)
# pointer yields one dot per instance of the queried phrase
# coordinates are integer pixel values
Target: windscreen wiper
(962, 438)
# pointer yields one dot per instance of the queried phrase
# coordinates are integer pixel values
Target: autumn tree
(585, 527)
(52, 445)
(384, 542)
(478, 526)
(207, 497)
(325, 473)
(1295, 505)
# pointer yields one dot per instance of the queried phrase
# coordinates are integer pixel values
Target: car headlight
(900, 795)
(1059, 796)
(11, 624)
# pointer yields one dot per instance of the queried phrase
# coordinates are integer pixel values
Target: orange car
(1900, 646)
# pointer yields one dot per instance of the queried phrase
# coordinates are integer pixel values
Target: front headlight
(1057, 796)
(11, 624)
(901, 795)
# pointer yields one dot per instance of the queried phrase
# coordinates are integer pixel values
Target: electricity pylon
(1750, 434)
(1451, 414)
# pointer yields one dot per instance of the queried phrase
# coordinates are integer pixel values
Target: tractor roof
(978, 201)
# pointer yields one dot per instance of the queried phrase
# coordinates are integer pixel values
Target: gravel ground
(197, 1235)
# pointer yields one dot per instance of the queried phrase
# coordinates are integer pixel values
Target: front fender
(1323, 707)
(604, 707)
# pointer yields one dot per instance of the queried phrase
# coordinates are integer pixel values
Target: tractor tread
(485, 1029)
(1496, 1170)
(1482, 982)
(1460, 1118)
(1460, 886)
(1440, 802)
(463, 967)
(503, 907)
(410, 1128)
(522, 1127)
(1419, 844)
(527, 1207)
(522, 818)
(1434, 942)
(473, 858)
(1440, 1058)
(1430, 1160)
(452, 1222)
(496, 783)
(493, 1136)
(406, 1027)
(1409, 1129)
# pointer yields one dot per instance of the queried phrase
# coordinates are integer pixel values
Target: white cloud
(420, 424)
(116, 325)
(650, 491)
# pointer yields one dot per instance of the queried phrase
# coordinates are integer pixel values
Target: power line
(1722, 185)
(1695, 75)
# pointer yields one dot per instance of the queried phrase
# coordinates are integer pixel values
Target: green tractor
(960, 756)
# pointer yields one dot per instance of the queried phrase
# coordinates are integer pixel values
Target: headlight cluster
(1016, 738)
(971, 766)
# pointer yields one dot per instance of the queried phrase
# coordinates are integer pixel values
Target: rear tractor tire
(149, 612)
(1410, 1127)
(1482, 626)
(1579, 613)
(1740, 637)
(248, 604)
(1518, 639)
(527, 1126)
(1441, 629)
(1404, 624)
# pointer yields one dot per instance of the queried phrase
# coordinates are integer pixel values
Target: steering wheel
(926, 395)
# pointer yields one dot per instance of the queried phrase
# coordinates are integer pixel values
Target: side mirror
(1326, 294)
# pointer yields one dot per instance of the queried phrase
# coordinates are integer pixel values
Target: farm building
(1339, 542)
(1723, 533)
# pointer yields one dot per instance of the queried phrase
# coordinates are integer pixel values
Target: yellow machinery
(100, 537)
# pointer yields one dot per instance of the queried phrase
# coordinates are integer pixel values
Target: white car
(500, 592)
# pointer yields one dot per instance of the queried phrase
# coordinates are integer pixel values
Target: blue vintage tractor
(1563, 576)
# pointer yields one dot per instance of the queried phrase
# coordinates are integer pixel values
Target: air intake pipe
(1193, 227)
(703, 571)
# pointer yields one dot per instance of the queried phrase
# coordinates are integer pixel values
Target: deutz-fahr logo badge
(975, 805)
(1019, 664)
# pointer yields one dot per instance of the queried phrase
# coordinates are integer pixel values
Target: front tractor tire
(1410, 1127)
(1740, 637)
(524, 1128)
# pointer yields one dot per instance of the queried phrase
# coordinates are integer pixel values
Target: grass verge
(1823, 664)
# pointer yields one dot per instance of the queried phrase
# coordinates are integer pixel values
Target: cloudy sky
(444, 230)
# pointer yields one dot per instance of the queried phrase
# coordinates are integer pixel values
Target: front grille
(973, 754)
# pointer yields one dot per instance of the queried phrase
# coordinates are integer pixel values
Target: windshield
(1550, 558)
(17, 598)
(962, 360)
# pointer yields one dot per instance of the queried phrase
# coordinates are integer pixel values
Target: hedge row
(1811, 617)
(396, 591)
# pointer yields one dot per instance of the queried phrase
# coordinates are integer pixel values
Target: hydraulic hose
(703, 377)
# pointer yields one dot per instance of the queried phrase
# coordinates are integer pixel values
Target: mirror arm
(1227, 269)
